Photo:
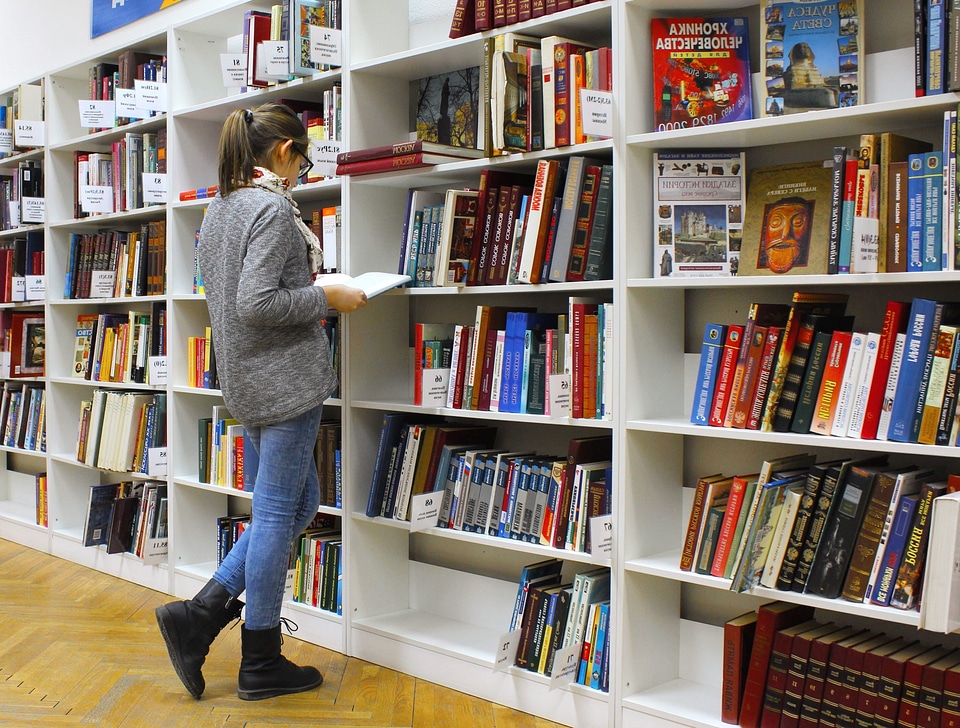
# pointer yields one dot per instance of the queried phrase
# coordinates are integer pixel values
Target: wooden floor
(78, 647)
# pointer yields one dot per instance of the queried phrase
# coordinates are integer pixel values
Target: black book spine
(801, 525)
(815, 530)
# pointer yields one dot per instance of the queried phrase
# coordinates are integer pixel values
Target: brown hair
(247, 138)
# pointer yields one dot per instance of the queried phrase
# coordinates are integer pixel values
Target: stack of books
(402, 155)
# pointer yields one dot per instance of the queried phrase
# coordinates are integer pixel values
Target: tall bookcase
(434, 603)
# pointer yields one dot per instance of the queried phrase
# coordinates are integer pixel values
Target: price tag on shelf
(156, 461)
(19, 292)
(96, 198)
(323, 154)
(98, 114)
(151, 95)
(33, 209)
(424, 511)
(155, 550)
(158, 370)
(28, 133)
(6, 141)
(601, 535)
(36, 288)
(101, 283)
(597, 110)
(434, 385)
(326, 45)
(274, 59)
(506, 651)
(233, 66)
(559, 395)
(13, 207)
(126, 103)
(154, 187)
(566, 662)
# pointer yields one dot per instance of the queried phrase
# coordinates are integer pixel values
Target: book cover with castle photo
(698, 208)
(811, 55)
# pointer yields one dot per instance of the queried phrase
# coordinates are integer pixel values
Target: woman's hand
(344, 298)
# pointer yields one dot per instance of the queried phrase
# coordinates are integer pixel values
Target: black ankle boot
(265, 673)
(190, 627)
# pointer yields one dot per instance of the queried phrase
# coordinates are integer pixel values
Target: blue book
(711, 351)
(915, 168)
(513, 376)
(847, 210)
(512, 488)
(925, 317)
(893, 554)
(389, 436)
(932, 235)
(414, 249)
(509, 350)
(599, 645)
(528, 344)
(543, 573)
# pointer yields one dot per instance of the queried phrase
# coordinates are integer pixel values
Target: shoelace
(289, 625)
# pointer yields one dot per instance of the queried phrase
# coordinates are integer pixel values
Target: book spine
(731, 349)
(836, 207)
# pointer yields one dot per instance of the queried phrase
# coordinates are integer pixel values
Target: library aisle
(79, 647)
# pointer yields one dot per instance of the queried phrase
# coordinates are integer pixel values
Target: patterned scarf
(267, 180)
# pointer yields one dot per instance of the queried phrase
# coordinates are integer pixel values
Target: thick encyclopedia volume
(701, 71)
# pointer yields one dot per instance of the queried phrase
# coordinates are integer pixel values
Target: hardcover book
(738, 634)
(701, 71)
(445, 108)
(786, 230)
(698, 208)
(811, 55)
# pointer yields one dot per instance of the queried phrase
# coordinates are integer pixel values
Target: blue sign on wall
(109, 15)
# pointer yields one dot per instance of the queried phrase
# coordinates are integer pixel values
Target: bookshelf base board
(122, 566)
(13, 528)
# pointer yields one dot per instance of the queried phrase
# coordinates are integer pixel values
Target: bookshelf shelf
(22, 513)
(19, 232)
(482, 415)
(804, 282)
(28, 156)
(570, 288)
(112, 218)
(102, 139)
(690, 703)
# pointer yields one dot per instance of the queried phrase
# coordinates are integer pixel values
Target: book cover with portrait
(786, 230)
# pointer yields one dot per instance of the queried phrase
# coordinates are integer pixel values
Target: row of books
(856, 528)
(229, 530)
(105, 78)
(120, 171)
(783, 668)
(318, 570)
(117, 347)
(202, 361)
(23, 416)
(22, 267)
(221, 449)
(25, 103)
(117, 263)
(118, 429)
(21, 196)
(128, 517)
(936, 38)
(473, 16)
(554, 614)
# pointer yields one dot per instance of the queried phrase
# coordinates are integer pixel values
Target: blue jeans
(286, 496)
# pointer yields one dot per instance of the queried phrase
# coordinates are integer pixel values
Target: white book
(940, 606)
(96, 420)
(538, 209)
(454, 359)
(848, 384)
(862, 391)
(497, 374)
(886, 410)
(407, 469)
(373, 283)
(781, 536)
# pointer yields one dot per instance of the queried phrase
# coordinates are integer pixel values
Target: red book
(852, 681)
(729, 525)
(550, 7)
(950, 705)
(499, 13)
(581, 231)
(754, 354)
(579, 450)
(894, 322)
(912, 677)
(738, 635)
(564, 90)
(524, 10)
(773, 691)
(770, 348)
(564, 4)
(464, 19)
(728, 363)
(833, 680)
(870, 680)
(399, 149)
(825, 409)
(511, 11)
(386, 164)
(483, 16)
(930, 701)
(696, 519)
(797, 673)
(890, 687)
(256, 31)
(538, 9)
(814, 684)
(771, 617)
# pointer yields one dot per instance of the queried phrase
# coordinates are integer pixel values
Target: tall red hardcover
(738, 636)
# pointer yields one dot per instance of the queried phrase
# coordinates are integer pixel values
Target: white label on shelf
(96, 198)
(424, 511)
(36, 288)
(325, 46)
(14, 207)
(566, 662)
(156, 461)
(506, 651)
(151, 95)
(323, 154)
(101, 283)
(6, 141)
(601, 535)
(154, 187)
(19, 292)
(155, 550)
(126, 103)
(158, 370)
(274, 59)
(559, 395)
(33, 210)
(28, 133)
(597, 110)
(97, 114)
(435, 383)
(234, 69)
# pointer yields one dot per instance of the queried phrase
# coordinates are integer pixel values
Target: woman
(258, 260)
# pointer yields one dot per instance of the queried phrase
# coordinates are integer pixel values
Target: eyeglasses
(305, 166)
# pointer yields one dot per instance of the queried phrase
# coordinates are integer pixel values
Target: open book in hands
(372, 283)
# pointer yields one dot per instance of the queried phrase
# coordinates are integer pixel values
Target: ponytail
(248, 137)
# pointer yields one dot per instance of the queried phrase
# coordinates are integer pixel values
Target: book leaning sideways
(701, 71)
(372, 283)
(811, 55)
(698, 209)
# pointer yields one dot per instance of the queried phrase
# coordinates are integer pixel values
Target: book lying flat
(372, 283)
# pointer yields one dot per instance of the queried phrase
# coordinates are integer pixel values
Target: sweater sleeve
(264, 296)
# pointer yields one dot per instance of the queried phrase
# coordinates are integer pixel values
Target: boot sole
(169, 632)
(276, 692)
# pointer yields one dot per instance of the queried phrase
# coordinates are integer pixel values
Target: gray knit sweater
(273, 357)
